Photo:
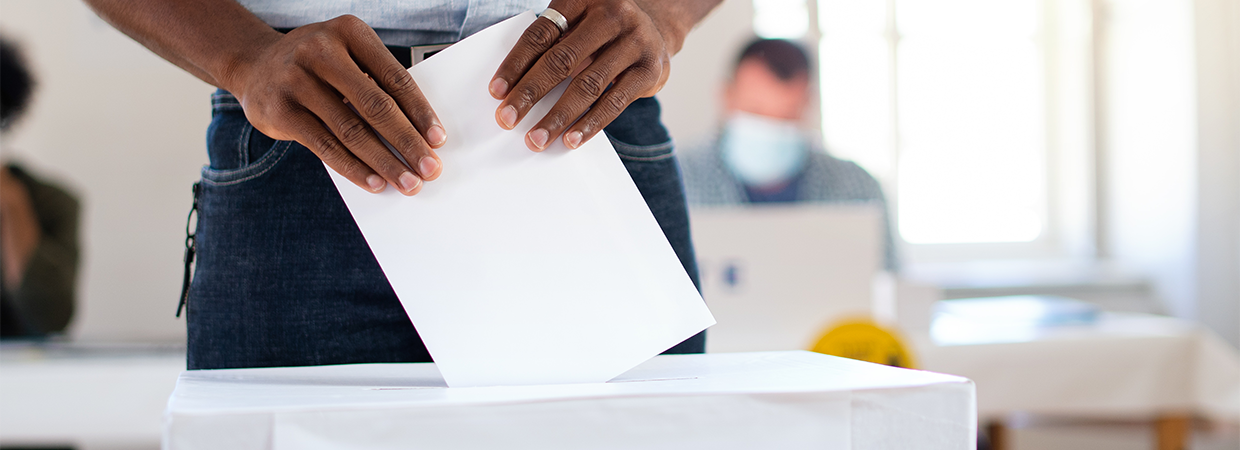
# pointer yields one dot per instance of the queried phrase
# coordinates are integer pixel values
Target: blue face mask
(763, 151)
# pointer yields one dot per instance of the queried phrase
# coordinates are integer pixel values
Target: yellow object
(865, 341)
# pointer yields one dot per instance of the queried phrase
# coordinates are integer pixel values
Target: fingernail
(376, 183)
(409, 182)
(499, 88)
(539, 138)
(436, 135)
(508, 117)
(427, 166)
(573, 139)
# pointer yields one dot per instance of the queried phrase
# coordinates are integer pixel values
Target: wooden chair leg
(997, 433)
(1171, 431)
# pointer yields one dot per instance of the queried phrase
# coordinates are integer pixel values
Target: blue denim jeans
(285, 278)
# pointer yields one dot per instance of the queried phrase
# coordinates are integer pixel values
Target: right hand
(299, 87)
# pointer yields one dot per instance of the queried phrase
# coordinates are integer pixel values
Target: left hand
(613, 49)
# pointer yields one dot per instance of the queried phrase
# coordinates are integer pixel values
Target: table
(784, 400)
(1123, 366)
(85, 395)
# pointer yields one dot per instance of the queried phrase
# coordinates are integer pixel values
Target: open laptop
(776, 277)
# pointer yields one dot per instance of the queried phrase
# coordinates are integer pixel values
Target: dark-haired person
(762, 154)
(38, 228)
(284, 277)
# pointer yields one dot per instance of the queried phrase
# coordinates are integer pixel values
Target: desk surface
(732, 400)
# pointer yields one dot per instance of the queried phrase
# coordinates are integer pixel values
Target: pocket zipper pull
(191, 247)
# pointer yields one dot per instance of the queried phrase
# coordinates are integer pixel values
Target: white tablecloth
(783, 400)
(1123, 366)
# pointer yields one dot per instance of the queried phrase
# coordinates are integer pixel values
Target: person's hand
(326, 85)
(615, 51)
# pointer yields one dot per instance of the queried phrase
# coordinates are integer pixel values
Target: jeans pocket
(238, 152)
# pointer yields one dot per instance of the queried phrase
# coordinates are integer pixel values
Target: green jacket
(44, 301)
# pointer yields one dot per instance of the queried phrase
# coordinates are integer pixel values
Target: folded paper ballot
(519, 267)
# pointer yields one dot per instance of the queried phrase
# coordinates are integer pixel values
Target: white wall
(691, 97)
(126, 130)
(1173, 153)
(1218, 164)
(1151, 151)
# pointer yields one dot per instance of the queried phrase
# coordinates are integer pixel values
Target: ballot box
(785, 400)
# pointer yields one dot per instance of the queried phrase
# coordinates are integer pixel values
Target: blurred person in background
(763, 154)
(38, 228)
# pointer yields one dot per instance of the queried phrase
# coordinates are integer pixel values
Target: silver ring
(556, 18)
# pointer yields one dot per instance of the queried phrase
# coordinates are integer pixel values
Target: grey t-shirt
(398, 22)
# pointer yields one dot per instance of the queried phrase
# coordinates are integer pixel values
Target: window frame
(1067, 45)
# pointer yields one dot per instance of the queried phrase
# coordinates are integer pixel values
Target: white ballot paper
(519, 267)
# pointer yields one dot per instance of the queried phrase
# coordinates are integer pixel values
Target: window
(959, 108)
(969, 113)
(780, 19)
(947, 103)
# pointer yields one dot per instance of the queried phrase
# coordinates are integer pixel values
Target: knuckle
(555, 119)
(398, 81)
(406, 142)
(269, 109)
(376, 104)
(349, 26)
(327, 148)
(284, 106)
(385, 163)
(541, 35)
(647, 71)
(613, 105)
(346, 165)
(591, 83)
(353, 131)
(588, 124)
(591, 122)
(347, 22)
(623, 9)
(316, 47)
(526, 97)
(561, 59)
